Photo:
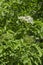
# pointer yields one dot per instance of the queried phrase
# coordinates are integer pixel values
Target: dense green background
(21, 43)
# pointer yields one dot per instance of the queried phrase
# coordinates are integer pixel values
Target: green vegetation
(21, 43)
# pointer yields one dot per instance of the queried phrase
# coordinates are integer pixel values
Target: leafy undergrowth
(21, 43)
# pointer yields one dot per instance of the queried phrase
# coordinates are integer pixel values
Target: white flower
(28, 19)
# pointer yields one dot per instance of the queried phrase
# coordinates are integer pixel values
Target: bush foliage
(21, 43)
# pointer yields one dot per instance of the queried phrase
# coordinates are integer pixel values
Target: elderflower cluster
(28, 19)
